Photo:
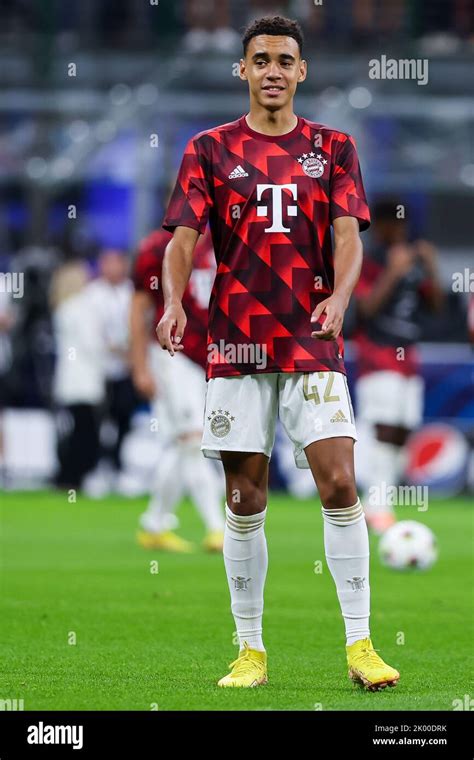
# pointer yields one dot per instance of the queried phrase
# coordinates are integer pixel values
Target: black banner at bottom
(89, 734)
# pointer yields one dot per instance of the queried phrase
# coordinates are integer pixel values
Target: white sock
(167, 491)
(246, 562)
(346, 543)
(203, 485)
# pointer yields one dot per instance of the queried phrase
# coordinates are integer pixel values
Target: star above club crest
(312, 155)
(325, 161)
(300, 160)
(319, 156)
(305, 155)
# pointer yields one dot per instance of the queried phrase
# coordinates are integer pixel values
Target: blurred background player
(399, 280)
(209, 26)
(6, 324)
(110, 297)
(176, 386)
(79, 379)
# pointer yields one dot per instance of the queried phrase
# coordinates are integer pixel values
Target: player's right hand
(170, 328)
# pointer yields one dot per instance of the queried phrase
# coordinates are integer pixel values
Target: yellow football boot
(214, 541)
(367, 668)
(167, 541)
(248, 670)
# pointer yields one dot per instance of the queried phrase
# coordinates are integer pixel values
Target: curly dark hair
(276, 26)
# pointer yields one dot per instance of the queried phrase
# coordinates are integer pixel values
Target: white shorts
(389, 398)
(241, 412)
(181, 383)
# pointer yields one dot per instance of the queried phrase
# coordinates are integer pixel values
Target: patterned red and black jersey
(147, 277)
(270, 202)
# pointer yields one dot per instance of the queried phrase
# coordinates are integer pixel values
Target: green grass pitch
(147, 640)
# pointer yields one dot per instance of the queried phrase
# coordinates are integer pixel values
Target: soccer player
(79, 374)
(399, 278)
(7, 320)
(111, 295)
(177, 388)
(271, 184)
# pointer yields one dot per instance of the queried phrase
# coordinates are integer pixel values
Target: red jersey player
(398, 281)
(177, 388)
(272, 184)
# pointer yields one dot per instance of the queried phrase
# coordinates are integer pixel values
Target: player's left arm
(347, 266)
(431, 288)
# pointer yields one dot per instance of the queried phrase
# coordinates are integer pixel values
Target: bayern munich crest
(221, 423)
(312, 164)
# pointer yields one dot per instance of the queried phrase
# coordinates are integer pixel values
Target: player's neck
(271, 123)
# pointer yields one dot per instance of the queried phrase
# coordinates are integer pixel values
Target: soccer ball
(408, 544)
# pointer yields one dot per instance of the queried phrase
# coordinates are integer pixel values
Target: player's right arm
(177, 268)
(187, 217)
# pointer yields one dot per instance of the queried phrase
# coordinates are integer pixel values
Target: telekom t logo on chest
(277, 205)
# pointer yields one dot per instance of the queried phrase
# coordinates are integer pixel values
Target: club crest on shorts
(221, 422)
(312, 164)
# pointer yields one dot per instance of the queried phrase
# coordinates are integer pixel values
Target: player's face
(391, 231)
(273, 68)
(113, 266)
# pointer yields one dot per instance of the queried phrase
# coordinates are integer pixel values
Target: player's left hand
(334, 308)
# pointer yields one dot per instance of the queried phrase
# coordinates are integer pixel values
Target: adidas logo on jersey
(339, 416)
(238, 172)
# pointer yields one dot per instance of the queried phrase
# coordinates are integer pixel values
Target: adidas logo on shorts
(339, 417)
(238, 172)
